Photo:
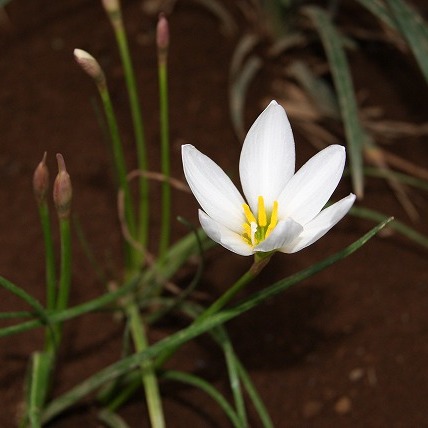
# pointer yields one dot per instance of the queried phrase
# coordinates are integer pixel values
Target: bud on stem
(91, 67)
(112, 7)
(41, 181)
(162, 38)
(62, 191)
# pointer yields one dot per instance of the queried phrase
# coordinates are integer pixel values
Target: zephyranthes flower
(283, 209)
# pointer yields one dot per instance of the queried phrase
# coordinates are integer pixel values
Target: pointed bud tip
(111, 5)
(62, 192)
(89, 65)
(162, 33)
(41, 180)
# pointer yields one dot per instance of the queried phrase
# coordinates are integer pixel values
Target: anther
(261, 212)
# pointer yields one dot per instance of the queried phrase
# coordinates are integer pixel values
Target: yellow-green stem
(149, 379)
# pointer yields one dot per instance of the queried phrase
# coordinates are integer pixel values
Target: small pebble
(356, 374)
(311, 409)
(343, 405)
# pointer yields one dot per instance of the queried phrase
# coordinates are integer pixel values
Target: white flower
(283, 211)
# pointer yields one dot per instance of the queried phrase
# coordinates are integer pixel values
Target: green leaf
(175, 340)
(23, 295)
(414, 30)
(405, 230)
(92, 305)
(205, 386)
(355, 135)
(378, 9)
(112, 420)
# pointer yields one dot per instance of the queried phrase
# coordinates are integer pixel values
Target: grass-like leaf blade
(414, 30)
(175, 340)
(341, 74)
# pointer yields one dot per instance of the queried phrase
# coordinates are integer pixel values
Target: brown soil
(346, 348)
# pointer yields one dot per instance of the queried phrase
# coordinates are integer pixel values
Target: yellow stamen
(261, 212)
(247, 229)
(248, 214)
(273, 219)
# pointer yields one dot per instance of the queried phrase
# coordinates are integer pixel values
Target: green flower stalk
(112, 7)
(62, 194)
(40, 188)
(162, 42)
(91, 67)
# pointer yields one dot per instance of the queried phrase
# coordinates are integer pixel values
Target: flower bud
(62, 191)
(90, 66)
(111, 6)
(41, 181)
(162, 37)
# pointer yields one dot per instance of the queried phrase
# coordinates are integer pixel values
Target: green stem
(65, 274)
(165, 158)
(49, 255)
(260, 261)
(138, 127)
(120, 368)
(119, 158)
(50, 270)
(132, 256)
(39, 383)
(150, 383)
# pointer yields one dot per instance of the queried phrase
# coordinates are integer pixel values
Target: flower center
(257, 230)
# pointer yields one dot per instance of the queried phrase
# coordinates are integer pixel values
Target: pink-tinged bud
(90, 66)
(162, 36)
(62, 191)
(41, 181)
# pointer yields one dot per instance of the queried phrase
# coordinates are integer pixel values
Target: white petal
(223, 236)
(213, 189)
(321, 224)
(285, 232)
(268, 157)
(311, 187)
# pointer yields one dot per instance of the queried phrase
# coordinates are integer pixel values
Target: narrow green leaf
(355, 134)
(320, 92)
(175, 340)
(154, 278)
(414, 30)
(418, 183)
(74, 312)
(112, 420)
(405, 230)
(254, 396)
(22, 294)
(378, 9)
(232, 370)
(18, 314)
(205, 386)
(238, 92)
